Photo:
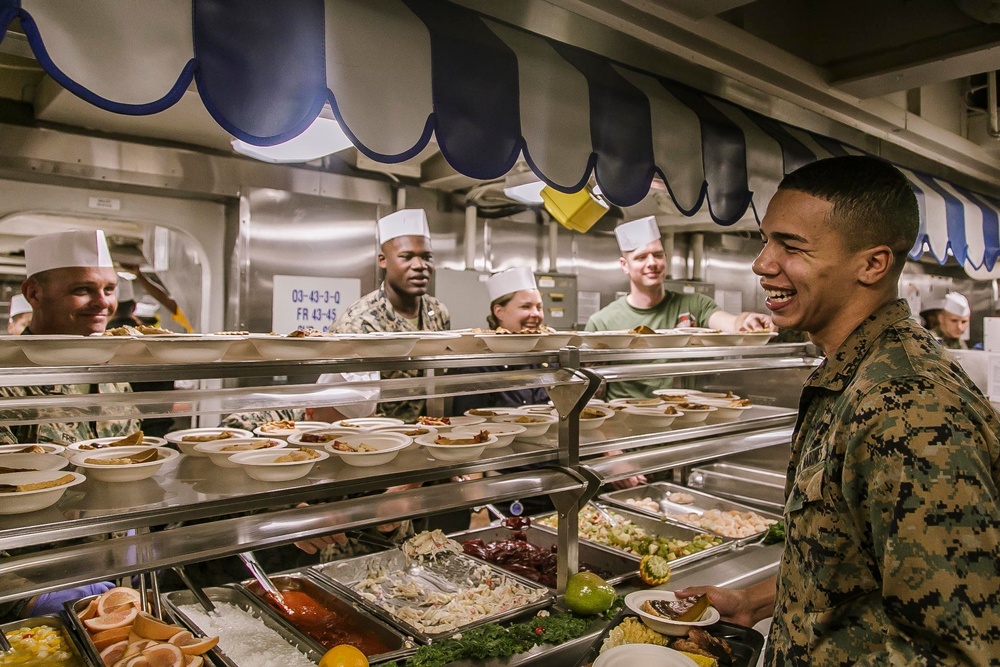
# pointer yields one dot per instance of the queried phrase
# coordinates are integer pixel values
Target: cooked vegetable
(654, 570)
(775, 533)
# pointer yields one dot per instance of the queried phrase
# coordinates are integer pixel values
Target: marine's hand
(743, 607)
(628, 482)
(756, 322)
(52, 603)
(317, 544)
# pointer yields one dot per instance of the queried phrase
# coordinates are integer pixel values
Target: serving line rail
(639, 371)
(59, 568)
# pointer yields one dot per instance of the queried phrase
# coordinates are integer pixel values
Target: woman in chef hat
(515, 305)
(20, 314)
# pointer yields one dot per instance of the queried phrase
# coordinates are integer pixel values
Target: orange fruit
(135, 646)
(89, 612)
(150, 627)
(117, 597)
(138, 661)
(194, 661)
(115, 619)
(191, 645)
(343, 655)
(114, 652)
(163, 655)
(106, 638)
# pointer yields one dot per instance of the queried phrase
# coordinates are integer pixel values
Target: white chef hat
(144, 309)
(956, 304)
(407, 222)
(18, 305)
(510, 281)
(124, 291)
(637, 233)
(77, 247)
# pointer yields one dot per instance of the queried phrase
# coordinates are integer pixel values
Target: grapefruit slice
(117, 597)
(89, 611)
(106, 638)
(150, 627)
(191, 645)
(118, 618)
(114, 652)
(138, 661)
(194, 661)
(163, 655)
(135, 646)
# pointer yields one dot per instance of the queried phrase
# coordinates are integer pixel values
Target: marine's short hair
(873, 202)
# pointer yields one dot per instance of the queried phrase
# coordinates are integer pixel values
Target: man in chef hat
(953, 321)
(648, 302)
(20, 314)
(401, 302)
(71, 289)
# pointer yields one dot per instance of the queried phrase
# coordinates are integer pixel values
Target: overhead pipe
(991, 103)
(668, 253)
(400, 198)
(697, 256)
(470, 237)
(553, 246)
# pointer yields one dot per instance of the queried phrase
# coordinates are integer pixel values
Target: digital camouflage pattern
(893, 525)
(248, 421)
(372, 313)
(68, 432)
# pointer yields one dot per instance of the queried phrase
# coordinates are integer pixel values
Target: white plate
(130, 472)
(590, 423)
(494, 413)
(532, 429)
(49, 448)
(454, 453)
(186, 350)
(630, 655)
(432, 342)
(296, 439)
(30, 501)
(510, 342)
(381, 344)
(714, 395)
(217, 452)
(409, 430)
(674, 392)
(466, 420)
(274, 432)
(86, 445)
(757, 338)
(665, 626)
(388, 446)
(660, 340)
(650, 417)
(467, 343)
(71, 350)
(368, 423)
(639, 402)
(308, 347)
(606, 340)
(505, 433)
(177, 437)
(33, 461)
(553, 341)
(260, 464)
(716, 339)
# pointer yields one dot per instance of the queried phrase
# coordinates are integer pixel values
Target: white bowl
(510, 342)
(691, 415)
(590, 423)
(187, 350)
(457, 453)
(650, 417)
(467, 343)
(630, 655)
(725, 411)
(505, 433)
(50, 448)
(671, 393)
(492, 414)
(606, 340)
(187, 447)
(261, 465)
(325, 434)
(553, 341)
(665, 626)
(382, 344)
(71, 350)
(660, 340)
(757, 338)
(532, 429)
(367, 423)
(88, 445)
(219, 453)
(409, 430)
(716, 339)
(127, 472)
(18, 502)
(638, 402)
(273, 431)
(712, 395)
(307, 347)
(10, 351)
(388, 446)
(33, 461)
(432, 342)
(455, 422)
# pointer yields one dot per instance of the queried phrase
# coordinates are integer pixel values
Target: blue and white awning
(396, 73)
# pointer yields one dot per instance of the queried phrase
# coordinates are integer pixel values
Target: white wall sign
(104, 203)
(300, 302)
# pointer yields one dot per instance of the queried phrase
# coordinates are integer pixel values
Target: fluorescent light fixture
(524, 187)
(320, 139)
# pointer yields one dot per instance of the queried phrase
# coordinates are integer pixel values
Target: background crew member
(952, 321)
(892, 505)
(20, 314)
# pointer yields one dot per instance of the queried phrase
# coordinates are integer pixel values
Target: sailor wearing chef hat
(401, 302)
(648, 302)
(19, 314)
(71, 288)
(953, 321)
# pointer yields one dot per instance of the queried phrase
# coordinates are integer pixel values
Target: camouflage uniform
(893, 524)
(248, 421)
(372, 313)
(63, 433)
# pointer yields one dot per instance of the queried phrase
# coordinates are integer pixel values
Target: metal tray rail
(69, 634)
(446, 574)
(754, 486)
(334, 600)
(238, 597)
(659, 492)
(617, 563)
(654, 526)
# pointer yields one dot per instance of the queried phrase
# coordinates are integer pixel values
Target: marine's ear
(876, 264)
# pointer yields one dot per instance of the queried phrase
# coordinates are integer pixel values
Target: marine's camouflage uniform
(893, 522)
(63, 433)
(372, 313)
(248, 421)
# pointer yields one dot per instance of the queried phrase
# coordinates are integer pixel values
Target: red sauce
(323, 624)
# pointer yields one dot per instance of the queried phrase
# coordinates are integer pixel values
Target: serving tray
(81, 655)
